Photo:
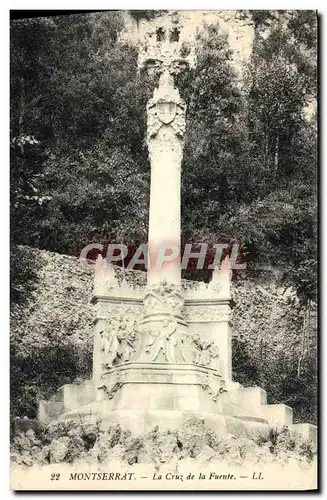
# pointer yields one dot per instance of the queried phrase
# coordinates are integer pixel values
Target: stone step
(249, 399)
(277, 415)
(73, 396)
(306, 431)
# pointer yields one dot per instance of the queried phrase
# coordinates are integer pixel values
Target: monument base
(237, 411)
(143, 378)
(142, 421)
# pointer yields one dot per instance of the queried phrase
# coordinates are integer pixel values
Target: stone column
(166, 125)
(163, 300)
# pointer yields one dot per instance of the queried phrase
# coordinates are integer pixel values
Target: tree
(78, 107)
(216, 149)
(249, 169)
(280, 83)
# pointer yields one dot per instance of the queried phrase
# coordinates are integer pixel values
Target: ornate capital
(166, 108)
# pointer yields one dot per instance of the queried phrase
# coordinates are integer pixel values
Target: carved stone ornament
(166, 111)
(106, 310)
(207, 313)
(166, 107)
(208, 387)
(161, 56)
(111, 390)
(164, 297)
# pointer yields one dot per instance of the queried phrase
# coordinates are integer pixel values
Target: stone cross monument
(163, 349)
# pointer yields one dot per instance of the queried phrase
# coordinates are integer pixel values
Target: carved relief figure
(207, 354)
(110, 340)
(127, 338)
(162, 341)
(195, 351)
(188, 350)
(119, 340)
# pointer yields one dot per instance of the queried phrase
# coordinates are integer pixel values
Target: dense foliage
(250, 156)
(76, 102)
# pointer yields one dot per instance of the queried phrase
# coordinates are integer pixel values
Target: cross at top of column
(163, 50)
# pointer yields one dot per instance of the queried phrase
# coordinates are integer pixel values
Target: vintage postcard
(163, 250)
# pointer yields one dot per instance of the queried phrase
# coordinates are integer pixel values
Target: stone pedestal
(140, 380)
